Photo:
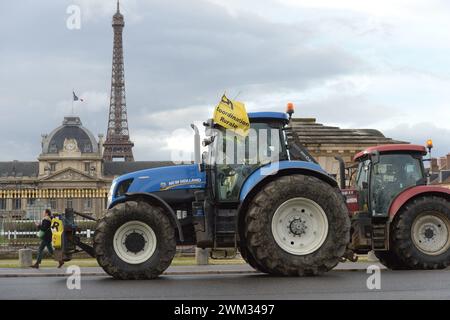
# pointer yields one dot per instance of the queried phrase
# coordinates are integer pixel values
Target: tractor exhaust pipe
(196, 144)
(341, 172)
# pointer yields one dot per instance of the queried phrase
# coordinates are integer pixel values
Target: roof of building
(311, 133)
(116, 168)
(71, 128)
(19, 169)
(110, 169)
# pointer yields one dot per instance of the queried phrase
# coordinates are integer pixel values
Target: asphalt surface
(172, 270)
(346, 283)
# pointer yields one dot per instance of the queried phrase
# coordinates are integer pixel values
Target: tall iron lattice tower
(117, 144)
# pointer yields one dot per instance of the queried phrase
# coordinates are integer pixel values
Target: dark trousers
(44, 244)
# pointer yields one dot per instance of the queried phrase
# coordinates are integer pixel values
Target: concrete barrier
(201, 256)
(25, 258)
(371, 257)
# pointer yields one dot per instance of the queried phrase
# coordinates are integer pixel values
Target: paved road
(340, 284)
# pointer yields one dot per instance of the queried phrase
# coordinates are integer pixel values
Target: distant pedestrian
(46, 238)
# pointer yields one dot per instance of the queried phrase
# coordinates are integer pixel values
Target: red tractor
(395, 213)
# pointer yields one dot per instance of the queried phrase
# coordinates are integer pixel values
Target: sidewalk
(174, 270)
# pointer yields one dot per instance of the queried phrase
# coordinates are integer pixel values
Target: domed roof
(71, 130)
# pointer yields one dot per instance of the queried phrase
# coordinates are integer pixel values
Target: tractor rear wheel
(135, 240)
(297, 225)
(421, 234)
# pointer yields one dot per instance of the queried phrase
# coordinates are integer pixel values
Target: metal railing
(15, 234)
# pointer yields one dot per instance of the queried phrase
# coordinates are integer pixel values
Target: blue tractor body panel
(277, 116)
(270, 169)
(177, 177)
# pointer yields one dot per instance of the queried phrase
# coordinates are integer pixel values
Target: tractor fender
(281, 168)
(259, 178)
(415, 192)
(154, 199)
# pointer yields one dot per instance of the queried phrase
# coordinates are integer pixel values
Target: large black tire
(402, 245)
(261, 244)
(390, 260)
(246, 255)
(152, 216)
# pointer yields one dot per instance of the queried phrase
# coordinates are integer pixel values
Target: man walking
(46, 238)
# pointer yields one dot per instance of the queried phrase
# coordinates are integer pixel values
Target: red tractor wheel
(420, 235)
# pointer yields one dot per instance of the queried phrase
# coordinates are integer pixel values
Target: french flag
(75, 97)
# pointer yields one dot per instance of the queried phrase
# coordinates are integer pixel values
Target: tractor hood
(159, 179)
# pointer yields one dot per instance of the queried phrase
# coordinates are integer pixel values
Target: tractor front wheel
(390, 260)
(135, 240)
(296, 225)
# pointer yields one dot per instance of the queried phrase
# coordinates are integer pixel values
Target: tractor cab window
(236, 157)
(362, 184)
(390, 176)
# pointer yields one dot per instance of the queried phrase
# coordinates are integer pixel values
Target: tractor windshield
(391, 175)
(236, 157)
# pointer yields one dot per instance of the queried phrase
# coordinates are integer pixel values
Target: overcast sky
(381, 64)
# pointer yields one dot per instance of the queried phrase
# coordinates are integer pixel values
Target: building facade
(69, 173)
(440, 170)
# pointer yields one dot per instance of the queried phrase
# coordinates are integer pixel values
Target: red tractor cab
(395, 213)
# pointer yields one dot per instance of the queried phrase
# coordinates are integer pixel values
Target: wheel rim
(299, 226)
(430, 233)
(134, 242)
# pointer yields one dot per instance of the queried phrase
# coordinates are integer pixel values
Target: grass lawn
(177, 261)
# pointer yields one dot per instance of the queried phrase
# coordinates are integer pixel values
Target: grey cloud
(178, 54)
(349, 110)
(420, 133)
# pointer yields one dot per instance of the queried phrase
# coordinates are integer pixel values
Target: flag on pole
(232, 115)
(75, 97)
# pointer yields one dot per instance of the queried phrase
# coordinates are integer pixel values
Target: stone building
(440, 170)
(69, 173)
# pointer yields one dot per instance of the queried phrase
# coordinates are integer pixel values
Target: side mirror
(207, 141)
(365, 185)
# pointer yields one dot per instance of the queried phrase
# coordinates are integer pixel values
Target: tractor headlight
(118, 189)
(123, 187)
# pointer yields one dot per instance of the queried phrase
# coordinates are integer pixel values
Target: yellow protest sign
(232, 115)
(57, 228)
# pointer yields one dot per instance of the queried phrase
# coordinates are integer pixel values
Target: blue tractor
(287, 217)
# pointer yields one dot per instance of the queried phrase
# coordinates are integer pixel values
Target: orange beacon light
(290, 109)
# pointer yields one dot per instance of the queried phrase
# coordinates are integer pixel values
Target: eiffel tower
(117, 144)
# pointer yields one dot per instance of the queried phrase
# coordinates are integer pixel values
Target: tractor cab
(383, 173)
(231, 158)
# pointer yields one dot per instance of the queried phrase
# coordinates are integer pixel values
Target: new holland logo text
(181, 182)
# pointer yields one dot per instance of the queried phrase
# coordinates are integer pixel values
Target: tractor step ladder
(380, 237)
(225, 235)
